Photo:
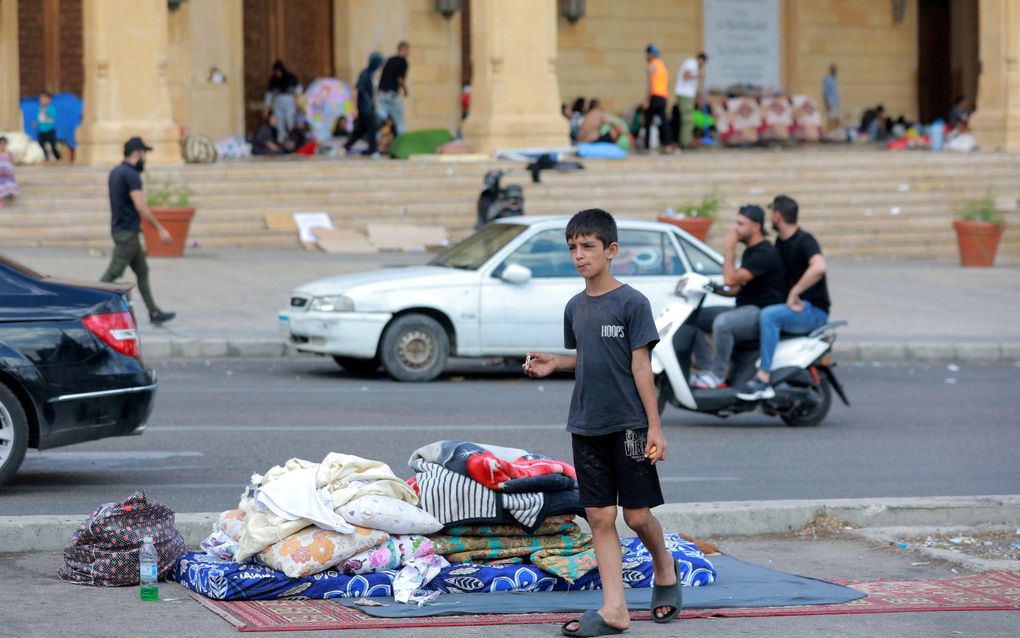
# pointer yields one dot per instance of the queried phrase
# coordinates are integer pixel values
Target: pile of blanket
(346, 513)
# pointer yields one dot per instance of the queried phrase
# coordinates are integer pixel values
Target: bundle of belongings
(474, 518)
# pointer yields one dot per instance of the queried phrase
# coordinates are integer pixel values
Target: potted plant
(696, 219)
(171, 204)
(978, 229)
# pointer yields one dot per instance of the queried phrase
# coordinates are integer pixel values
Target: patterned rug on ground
(992, 591)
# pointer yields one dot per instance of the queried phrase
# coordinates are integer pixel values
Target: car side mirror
(516, 274)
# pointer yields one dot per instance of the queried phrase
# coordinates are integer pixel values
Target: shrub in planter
(978, 230)
(171, 204)
(697, 218)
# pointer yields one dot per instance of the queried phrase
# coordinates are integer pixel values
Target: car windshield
(474, 251)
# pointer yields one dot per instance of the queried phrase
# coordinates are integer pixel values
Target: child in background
(46, 125)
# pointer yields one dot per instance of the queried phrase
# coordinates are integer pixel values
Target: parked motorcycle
(802, 374)
(496, 201)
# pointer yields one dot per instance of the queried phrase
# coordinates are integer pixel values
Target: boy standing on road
(614, 421)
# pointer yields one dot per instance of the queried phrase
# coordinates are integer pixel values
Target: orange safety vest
(660, 79)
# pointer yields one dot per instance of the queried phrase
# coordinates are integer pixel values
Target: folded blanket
(499, 468)
(549, 526)
(455, 499)
(569, 554)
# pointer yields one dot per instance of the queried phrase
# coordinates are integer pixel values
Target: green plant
(708, 207)
(982, 209)
(166, 193)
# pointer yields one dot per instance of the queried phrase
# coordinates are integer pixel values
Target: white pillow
(389, 514)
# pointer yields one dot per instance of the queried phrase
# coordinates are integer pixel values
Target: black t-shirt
(396, 67)
(768, 285)
(606, 330)
(124, 216)
(796, 252)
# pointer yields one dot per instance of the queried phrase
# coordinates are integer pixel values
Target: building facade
(159, 68)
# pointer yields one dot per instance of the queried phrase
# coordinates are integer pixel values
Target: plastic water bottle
(938, 130)
(148, 564)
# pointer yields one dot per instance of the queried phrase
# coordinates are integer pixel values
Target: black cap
(755, 214)
(135, 144)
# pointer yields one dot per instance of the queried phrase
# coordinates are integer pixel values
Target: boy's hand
(539, 364)
(655, 448)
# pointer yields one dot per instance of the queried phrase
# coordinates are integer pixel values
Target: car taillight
(117, 330)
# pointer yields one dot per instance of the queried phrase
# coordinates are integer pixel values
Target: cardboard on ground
(342, 240)
(280, 221)
(307, 221)
(406, 237)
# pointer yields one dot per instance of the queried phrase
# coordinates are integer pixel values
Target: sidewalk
(227, 301)
(37, 604)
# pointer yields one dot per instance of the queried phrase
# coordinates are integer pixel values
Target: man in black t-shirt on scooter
(807, 298)
(757, 283)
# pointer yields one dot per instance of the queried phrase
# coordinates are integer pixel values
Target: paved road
(910, 432)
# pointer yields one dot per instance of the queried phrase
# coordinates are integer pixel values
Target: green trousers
(128, 251)
(686, 120)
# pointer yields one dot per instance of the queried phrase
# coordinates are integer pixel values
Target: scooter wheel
(813, 417)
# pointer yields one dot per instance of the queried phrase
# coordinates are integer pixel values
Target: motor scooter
(802, 373)
(496, 201)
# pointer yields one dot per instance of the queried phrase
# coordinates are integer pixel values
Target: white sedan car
(499, 293)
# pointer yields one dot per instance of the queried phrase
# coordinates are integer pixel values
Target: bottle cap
(146, 539)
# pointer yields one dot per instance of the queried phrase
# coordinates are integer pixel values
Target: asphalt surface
(911, 431)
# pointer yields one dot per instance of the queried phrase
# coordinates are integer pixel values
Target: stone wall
(877, 58)
(603, 54)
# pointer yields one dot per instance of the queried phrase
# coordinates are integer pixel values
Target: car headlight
(335, 303)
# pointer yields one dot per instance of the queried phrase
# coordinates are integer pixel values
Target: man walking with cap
(655, 103)
(757, 283)
(128, 209)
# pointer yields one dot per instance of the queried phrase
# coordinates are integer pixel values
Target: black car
(70, 364)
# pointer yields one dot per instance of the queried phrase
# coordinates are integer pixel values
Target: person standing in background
(655, 105)
(46, 125)
(280, 99)
(366, 122)
(393, 88)
(688, 86)
(830, 90)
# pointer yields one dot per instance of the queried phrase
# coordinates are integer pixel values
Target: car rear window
(474, 251)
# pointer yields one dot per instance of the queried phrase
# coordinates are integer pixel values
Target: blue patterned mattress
(227, 580)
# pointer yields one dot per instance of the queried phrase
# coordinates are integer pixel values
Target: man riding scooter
(757, 283)
(807, 302)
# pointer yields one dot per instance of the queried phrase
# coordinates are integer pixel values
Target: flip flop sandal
(591, 623)
(667, 596)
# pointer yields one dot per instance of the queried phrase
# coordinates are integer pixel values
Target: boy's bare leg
(648, 529)
(610, 560)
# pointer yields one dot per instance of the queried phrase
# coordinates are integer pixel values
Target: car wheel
(361, 367)
(13, 434)
(415, 348)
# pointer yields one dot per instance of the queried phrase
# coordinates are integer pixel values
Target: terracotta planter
(697, 226)
(177, 221)
(978, 242)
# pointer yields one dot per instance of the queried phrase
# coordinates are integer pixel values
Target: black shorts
(612, 469)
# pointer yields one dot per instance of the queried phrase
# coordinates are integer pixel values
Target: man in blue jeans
(807, 302)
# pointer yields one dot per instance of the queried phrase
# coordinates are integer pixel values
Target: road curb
(845, 351)
(706, 520)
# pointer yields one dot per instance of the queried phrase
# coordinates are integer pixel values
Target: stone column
(996, 121)
(515, 100)
(10, 87)
(127, 90)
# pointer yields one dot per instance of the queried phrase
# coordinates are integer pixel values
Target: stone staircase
(858, 202)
